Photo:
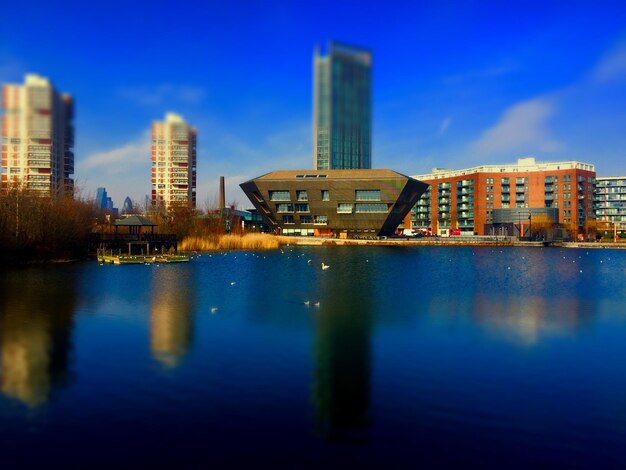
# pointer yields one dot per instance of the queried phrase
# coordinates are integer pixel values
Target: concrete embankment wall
(607, 245)
(318, 241)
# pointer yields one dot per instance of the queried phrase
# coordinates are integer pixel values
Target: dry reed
(249, 241)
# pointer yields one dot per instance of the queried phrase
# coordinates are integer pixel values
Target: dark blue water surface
(487, 356)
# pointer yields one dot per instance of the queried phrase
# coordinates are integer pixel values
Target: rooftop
(134, 220)
(528, 164)
(331, 174)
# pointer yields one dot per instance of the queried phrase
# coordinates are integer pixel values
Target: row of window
(306, 220)
(342, 208)
(302, 195)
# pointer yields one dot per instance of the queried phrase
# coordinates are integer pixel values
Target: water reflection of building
(171, 322)
(341, 389)
(35, 333)
(526, 319)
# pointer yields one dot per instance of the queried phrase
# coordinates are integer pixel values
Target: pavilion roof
(134, 221)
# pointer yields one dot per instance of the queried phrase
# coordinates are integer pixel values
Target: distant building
(341, 203)
(342, 108)
(465, 199)
(103, 200)
(173, 163)
(610, 201)
(127, 208)
(37, 137)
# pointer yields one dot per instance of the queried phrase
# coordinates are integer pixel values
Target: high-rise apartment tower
(173, 163)
(37, 137)
(342, 108)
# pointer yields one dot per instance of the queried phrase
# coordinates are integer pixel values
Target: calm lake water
(493, 357)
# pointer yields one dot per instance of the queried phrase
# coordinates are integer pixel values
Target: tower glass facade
(342, 110)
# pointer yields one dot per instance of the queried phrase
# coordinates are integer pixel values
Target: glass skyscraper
(342, 108)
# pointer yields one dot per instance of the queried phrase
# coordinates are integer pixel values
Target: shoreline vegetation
(225, 242)
(34, 228)
(262, 241)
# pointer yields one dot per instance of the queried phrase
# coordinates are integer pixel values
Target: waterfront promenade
(443, 241)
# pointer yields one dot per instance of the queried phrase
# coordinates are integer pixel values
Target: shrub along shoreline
(223, 242)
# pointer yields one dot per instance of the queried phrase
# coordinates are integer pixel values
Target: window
(371, 208)
(325, 195)
(368, 195)
(320, 220)
(279, 196)
(284, 207)
(306, 219)
(505, 181)
(344, 208)
(288, 220)
(302, 208)
(302, 196)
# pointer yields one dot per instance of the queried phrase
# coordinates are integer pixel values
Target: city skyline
(454, 85)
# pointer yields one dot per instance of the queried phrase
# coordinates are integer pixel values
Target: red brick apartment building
(465, 199)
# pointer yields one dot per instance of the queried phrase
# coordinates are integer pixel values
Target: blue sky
(455, 84)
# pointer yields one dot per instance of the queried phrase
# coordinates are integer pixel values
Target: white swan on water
(325, 266)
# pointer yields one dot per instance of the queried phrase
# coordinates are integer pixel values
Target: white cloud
(164, 93)
(522, 128)
(444, 125)
(120, 159)
(123, 171)
(612, 65)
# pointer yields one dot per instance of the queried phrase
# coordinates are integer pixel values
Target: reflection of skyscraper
(171, 315)
(342, 353)
(35, 332)
(37, 128)
(342, 110)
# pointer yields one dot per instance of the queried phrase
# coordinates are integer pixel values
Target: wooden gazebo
(136, 235)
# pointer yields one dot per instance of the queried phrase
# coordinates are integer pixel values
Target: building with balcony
(173, 163)
(342, 109)
(340, 203)
(37, 137)
(465, 199)
(610, 202)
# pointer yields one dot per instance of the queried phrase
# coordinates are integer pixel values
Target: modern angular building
(37, 137)
(465, 199)
(610, 202)
(341, 203)
(173, 163)
(342, 108)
